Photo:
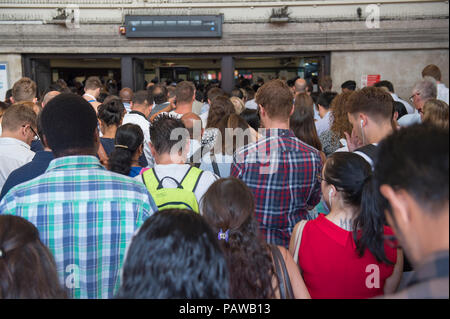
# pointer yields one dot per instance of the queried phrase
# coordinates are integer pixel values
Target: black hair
(325, 99)
(111, 111)
(415, 159)
(160, 133)
(352, 176)
(385, 84)
(238, 93)
(400, 108)
(69, 123)
(129, 137)
(141, 96)
(162, 95)
(252, 118)
(350, 85)
(175, 254)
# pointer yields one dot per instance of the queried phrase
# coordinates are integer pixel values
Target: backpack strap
(191, 179)
(368, 152)
(150, 180)
(214, 164)
(195, 156)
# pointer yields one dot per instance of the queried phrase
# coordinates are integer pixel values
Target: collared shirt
(13, 154)
(442, 92)
(429, 280)
(127, 106)
(139, 119)
(282, 173)
(86, 216)
(324, 123)
(33, 169)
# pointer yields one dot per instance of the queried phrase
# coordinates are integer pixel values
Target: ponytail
(368, 230)
(120, 161)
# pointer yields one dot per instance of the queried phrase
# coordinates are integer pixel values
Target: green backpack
(182, 197)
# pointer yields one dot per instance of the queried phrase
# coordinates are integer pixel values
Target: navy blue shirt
(33, 169)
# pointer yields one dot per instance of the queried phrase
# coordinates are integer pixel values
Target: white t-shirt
(442, 92)
(13, 154)
(251, 104)
(144, 124)
(177, 172)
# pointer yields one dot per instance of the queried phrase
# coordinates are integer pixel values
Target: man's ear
(262, 112)
(292, 110)
(35, 100)
(399, 203)
(12, 100)
(152, 149)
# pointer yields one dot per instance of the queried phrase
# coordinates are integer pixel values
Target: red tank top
(332, 268)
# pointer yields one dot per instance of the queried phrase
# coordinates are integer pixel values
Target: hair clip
(121, 146)
(224, 235)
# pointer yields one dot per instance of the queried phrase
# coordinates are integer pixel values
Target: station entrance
(136, 71)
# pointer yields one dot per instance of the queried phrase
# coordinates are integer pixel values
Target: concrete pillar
(227, 73)
(126, 69)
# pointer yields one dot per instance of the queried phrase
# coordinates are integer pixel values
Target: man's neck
(167, 159)
(276, 124)
(183, 108)
(13, 135)
(378, 133)
(138, 108)
(89, 92)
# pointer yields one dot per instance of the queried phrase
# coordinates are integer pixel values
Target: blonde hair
(239, 105)
(436, 112)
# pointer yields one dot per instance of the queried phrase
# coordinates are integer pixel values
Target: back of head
(301, 86)
(47, 97)
(385, 84)
(249, 93)
(126, 94)
(239, 105)
(24, 90)
(302, 121)
(325, 99)
(349, 85)
(190, 120)
(339, 108)
(426, 88)
(252, 118)
(185, 92)
(326, 83)
(432, 71)
(142, 98)
(415, 159)
(160, 94)
(111, 111)
(93, 83)
(3, 107)
(374, 102)
(182, 259)
(18, 115)
(129, 138)
(400, 108)
(248, 259)
(276, 98)
(27, 267)
(237, 93)
(221, 107)
(161, 130)
(436, 112)
(234, 132)
(214, 92)
(70, 123)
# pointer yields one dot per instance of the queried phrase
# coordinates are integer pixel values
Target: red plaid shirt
(282, 172)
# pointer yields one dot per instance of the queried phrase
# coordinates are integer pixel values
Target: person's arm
(391, 284)
(298, 285)
(167, 109)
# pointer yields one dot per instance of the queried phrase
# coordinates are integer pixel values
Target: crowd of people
(282, 189)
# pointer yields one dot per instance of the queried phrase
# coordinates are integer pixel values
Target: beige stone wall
(403, 67)
(14, 68)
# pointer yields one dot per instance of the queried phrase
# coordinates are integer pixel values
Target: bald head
(189, 120)
(126, 94)
(300, 86)
(50, 95)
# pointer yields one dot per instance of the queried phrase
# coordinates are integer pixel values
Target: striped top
(86, 216)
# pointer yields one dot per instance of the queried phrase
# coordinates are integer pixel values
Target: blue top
(37, 146)
(135, 170)
(27, 172)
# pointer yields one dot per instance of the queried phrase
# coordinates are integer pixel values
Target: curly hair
(228, 205)
(339, 109)
(221, 107)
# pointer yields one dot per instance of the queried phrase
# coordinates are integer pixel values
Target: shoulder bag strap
(276, 261)
(298, 239)
(287, 280)
(214, 164)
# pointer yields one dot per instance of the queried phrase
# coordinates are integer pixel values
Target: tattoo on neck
(346, 224)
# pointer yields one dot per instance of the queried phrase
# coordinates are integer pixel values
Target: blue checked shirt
(86, 216)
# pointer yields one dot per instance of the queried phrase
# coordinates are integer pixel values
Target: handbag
(282, 274)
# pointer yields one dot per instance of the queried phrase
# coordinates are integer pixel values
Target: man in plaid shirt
(85, 214)
(280, 169)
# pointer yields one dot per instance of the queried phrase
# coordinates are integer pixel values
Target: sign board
(3, 80)
(370, 80)
(174, 26)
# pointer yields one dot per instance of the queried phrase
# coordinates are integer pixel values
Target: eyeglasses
(36, 136)
(411, 98)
